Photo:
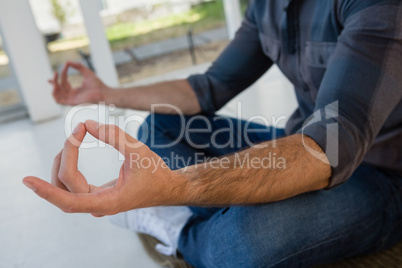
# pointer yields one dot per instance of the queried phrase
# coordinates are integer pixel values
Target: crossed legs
(357, 217)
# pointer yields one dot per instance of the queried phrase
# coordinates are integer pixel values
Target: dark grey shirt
(344, 58)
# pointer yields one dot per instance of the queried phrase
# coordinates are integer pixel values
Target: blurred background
(126, 42)
(143, 37)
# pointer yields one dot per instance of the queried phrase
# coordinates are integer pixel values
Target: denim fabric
(360, 216)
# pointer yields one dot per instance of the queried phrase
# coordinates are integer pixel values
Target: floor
(33, 233)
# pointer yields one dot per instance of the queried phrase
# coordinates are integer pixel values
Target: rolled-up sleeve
(361, 87)
(240, 65)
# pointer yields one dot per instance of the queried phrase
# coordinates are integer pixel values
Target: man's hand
(92, 90)
(175, 94)
(146, 181)
(137, 186)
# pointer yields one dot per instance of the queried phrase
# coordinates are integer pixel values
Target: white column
(26, 51)
(233, 16)
(101, 53)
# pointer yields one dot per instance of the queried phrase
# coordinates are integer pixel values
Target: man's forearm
(256, 175)
(177, 93)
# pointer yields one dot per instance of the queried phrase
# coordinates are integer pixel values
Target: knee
(248, 239)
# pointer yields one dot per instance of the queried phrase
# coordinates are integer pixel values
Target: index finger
(64, 78)
(55, 172)
(55, 84)
(68, 173)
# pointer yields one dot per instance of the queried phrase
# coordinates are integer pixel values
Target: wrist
(108, 95)
(179, 190)
(186, 189)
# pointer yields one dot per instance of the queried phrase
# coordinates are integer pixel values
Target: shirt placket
(291, 37)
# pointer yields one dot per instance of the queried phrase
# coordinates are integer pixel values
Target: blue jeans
(361, 216)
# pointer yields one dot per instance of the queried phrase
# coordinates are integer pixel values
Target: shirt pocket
(270, 46)
(318, 54)
(317, 57)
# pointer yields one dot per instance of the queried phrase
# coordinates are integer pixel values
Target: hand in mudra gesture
(135, 187)
(92, 90)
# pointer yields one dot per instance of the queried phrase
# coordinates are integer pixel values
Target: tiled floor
(36, 234)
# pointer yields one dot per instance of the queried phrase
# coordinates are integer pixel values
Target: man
(339, 194)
